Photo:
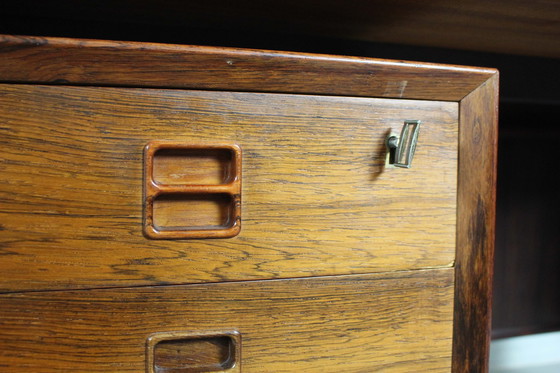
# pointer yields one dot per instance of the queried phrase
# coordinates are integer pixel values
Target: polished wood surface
(317, 197)
(472, 101)
(476, 205)
(399, 322)
(94, 62)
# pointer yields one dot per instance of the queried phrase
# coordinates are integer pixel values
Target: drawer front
(400, 322)
(316, 197)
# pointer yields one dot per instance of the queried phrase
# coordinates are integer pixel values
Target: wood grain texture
(476, 203)
(63, 61)
(67, 130)
(317, 199)
(398, 322)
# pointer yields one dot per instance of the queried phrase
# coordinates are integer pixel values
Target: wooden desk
(341, 262)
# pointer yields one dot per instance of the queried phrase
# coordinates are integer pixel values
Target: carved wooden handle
(192, 190)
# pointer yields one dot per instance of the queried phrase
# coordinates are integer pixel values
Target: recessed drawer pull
(190, 352)
(192, 190)
(401, 148)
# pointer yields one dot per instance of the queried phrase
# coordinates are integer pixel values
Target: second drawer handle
(190, 352)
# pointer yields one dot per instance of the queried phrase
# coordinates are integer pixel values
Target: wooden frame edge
(45, 60)
(476, 205)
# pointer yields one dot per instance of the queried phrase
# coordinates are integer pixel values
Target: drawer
(399, 322)
(316, 197)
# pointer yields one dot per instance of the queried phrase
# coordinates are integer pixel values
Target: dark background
(520, 38)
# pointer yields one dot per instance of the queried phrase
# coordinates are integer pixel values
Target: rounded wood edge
(146, 47)
(131, 64)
